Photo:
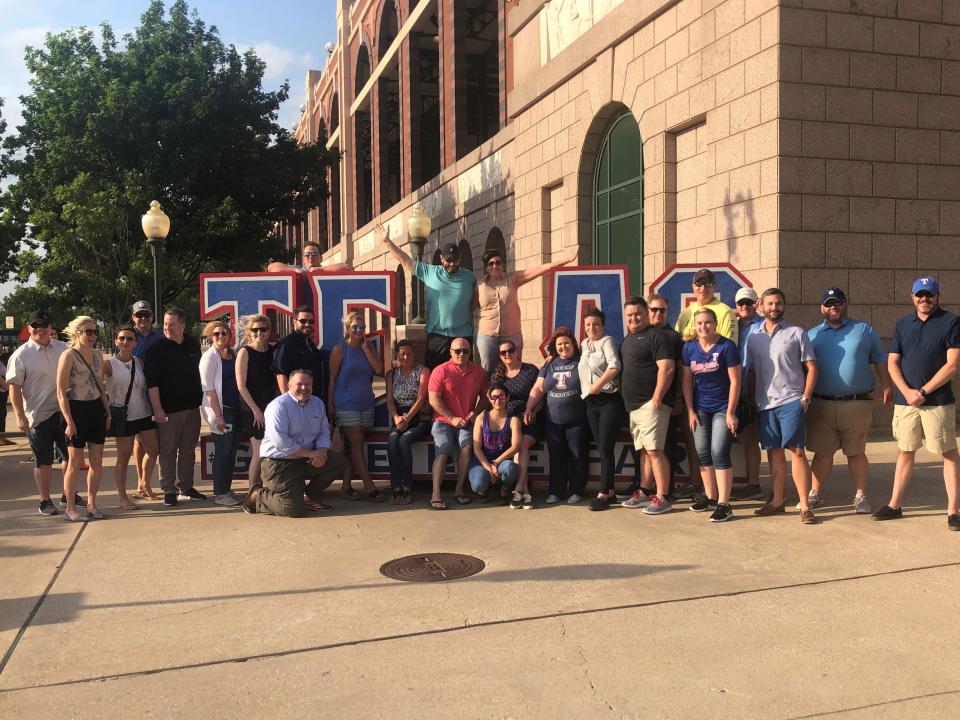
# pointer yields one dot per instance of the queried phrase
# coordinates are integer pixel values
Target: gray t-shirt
(34, 368)
(777, 361)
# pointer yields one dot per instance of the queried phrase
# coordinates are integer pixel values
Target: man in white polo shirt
(32, 377)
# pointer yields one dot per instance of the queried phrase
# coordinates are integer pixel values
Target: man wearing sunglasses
(298, 351)
(924, 353)
(451, 297)
(703, 285)
(311, 260)
(847, 350)
(32, 379)
(147, 334)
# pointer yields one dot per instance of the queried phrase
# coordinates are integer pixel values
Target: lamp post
(156, 226)
(418, 228)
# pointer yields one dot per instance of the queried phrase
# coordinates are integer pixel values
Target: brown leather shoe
(768, 509)
(807, 517)
(250, 499)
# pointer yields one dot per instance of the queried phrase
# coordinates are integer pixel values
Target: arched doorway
(618, 199)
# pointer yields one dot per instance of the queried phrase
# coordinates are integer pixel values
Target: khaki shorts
(938, 424)
(838, 425)
(649, 427)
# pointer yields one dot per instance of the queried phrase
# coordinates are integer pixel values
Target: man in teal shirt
(451, 297)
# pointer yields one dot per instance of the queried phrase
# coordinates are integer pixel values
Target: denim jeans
(713, 440)
(225, 451)
(480, 478)
(400, 452)
(605, 416)
(568, 458)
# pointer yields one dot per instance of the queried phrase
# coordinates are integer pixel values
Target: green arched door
(618, 200)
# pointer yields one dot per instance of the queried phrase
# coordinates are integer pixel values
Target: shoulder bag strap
(133, 372)
(96, 380)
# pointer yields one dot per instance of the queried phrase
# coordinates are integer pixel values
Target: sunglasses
(311, 254)
(258, 329)
(657, 310)
(219, 333)
(306, 322)
(832, 303)
(90, 332)
(745, 303)
(508, 351)
(924, 296)
(143, 314)
(492, 263)
(461, 351)
(39, 325)
(125, 338)
(499, 397)
(703, 283)
(358, 328)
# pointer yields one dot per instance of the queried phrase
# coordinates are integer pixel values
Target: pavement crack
(586, 668)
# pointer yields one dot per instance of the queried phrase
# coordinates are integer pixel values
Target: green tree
(168, 113)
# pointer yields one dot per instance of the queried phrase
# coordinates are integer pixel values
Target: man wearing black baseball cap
(703, 286)
(142, 319)
(839, 417)
(451, 297)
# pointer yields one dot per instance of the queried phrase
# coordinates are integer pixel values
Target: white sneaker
(638, 500)
(814, 500)
(861, 505)
(552, 499)
(658, 506)
(574, 499)
(229, 500)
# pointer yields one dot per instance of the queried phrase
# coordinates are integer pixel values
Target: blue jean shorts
(355, 418)
(783, 426)
(448, 440)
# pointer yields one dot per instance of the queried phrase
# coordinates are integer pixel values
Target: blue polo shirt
(145, 341)
(844, 357)
(449, 300)
(922, 346)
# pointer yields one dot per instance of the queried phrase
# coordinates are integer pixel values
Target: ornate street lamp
(418, 228)
(156, 226)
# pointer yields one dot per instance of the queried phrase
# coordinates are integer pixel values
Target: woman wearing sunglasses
(86, 408)
(496, 440)
(256, 383)
(519, 378)
(221, 408)
(127, 386)
(410, 417)
(350, 404)
(499, 306)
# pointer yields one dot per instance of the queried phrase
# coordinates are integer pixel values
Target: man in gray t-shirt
(782, 370)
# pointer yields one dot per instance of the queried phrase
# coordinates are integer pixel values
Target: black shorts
(135, 427)
(90, 419)
(44, 436)
(536, 428)
(248, 429)
(438, 349)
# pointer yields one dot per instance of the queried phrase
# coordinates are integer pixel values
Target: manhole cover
(432, 568)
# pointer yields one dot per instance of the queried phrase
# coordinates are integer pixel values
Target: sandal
(463, 499)
(351, 493)
(407, 496)
(128, 505)
(438, 505)
(398, 495)
(374, 496)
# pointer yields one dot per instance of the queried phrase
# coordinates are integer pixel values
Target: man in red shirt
(455, 390)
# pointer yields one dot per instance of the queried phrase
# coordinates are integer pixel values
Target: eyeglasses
(832, 303)
(492, 263)
(703, 283)
(39, 325)
(358, 327)
(125, 338)
(461, 351)
(219, 333)
(311, 321)
(258, 329)
(508, 351)
(306, 254)
(745, 303)
(657, 310)
(90, 332)
(499, 397)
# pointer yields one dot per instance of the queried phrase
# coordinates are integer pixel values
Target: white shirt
(34, 368)
(118, 383)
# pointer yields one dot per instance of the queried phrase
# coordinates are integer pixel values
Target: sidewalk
(201, 611)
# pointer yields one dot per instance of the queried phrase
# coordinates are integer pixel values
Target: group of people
(721, 374)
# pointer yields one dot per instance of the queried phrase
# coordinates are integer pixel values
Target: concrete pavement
(203, 611)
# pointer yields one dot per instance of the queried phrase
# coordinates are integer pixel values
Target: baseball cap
(746, 293)
(450, 252)
(703, 274)
(833, 293)
(38, 316)
(142, 306)
(925, 284)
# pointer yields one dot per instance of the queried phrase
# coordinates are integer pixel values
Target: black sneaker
(887, 513)
(685, 490)
(77, 500)
(170, 499)
(953, 522)
(701, 503)
(723, 513)
(47, 508)
(191, 494)
(602, 503)
(747, 492)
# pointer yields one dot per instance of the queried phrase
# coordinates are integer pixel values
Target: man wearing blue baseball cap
(840, 415)
(923, 359)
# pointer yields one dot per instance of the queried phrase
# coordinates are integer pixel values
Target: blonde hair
(213, 325)
(246, 322)
(73, 328)
(348, 321)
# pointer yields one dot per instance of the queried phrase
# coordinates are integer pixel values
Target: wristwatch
(923, 393)
(805, 399)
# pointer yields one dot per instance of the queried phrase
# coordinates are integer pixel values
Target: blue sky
(289, 36)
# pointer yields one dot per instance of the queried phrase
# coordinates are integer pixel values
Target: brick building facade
(808, 142)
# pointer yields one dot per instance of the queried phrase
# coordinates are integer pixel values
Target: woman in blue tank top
(353, 364)
(496, 440)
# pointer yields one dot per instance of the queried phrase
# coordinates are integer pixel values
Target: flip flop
(128, 506)
(375, 497)
(438, 505)
(463, 499)
(351, 493)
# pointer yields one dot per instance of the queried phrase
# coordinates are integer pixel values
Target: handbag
(118, 413)
(746, 413)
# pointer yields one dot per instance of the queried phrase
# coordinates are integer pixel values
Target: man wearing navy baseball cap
(839, 417)
(923, 359)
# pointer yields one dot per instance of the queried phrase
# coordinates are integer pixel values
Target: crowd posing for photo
(722, 375)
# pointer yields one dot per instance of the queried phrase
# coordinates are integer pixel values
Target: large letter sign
(335, 293)
(574, 290)
(241, 294)
(675, 285)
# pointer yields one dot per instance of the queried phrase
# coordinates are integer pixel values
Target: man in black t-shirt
(298, 351)
(648, 362)
(172, 370)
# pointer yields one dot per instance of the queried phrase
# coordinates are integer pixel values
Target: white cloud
(13, 43)
(282, 63)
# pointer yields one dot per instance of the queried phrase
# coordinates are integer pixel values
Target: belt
(843, 398)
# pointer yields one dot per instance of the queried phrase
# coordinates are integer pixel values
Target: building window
(388, 113)
(362, 139)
